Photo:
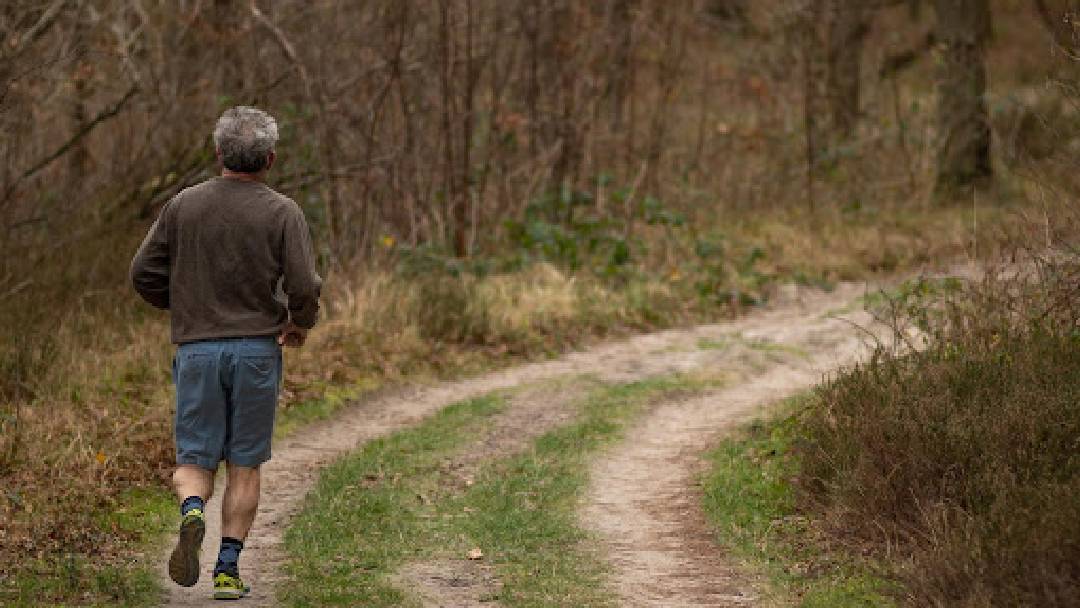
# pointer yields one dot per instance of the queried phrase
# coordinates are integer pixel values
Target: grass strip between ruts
(392, 503)
(749, 498)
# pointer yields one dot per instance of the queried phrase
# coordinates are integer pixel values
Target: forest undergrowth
(954, 459)
(941, 471)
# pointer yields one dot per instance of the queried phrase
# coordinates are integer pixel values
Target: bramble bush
(961, 458)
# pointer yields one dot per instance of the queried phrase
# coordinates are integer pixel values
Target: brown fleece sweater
(229, 258)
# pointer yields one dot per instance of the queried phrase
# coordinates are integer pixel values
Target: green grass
(758, 344)
(751, 502)
(331, 399)
(775, 348)
(911, 294)
(713, 343)
(522, 508)
(391, 503)
(142, 516)
(54, 582)
(367, 514)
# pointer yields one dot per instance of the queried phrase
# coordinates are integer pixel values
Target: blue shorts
(226, 394)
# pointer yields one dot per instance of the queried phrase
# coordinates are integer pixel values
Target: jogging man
(231, 259)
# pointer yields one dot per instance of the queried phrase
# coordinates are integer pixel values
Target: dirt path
(297, 460)
(644, 503)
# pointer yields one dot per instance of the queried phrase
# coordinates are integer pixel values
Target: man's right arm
(150, 268)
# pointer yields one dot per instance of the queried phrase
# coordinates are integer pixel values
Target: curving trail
(644, 503)
(640, 504)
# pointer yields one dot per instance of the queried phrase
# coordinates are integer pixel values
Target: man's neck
(243, 177)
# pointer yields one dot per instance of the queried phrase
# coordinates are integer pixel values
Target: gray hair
(245, 137)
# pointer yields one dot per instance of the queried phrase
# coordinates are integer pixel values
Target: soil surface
(641, 505)
(645, 502)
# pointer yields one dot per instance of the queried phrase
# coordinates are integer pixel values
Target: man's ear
(270, 161)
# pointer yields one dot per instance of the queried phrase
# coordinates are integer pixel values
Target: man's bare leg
(193, 480)
(190, 480)
(237, 512)
(241, 501)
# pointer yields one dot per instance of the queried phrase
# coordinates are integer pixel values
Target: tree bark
(815, 108)
(847, 29)
(80, 75)
(622, 34)
(963, 121)
(228, 26)
(734, 12)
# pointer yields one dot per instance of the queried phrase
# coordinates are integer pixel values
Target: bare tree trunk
(446, 79)
(735, 12)
(847, 30)
(457, 120)
(630, 83)
(667, 78)
(963, 122)
(563, 41)
(833, 33)
(228, 21)
(622, 25)
(815, 109)
(79, 160)
(465, 186)
(530, 23)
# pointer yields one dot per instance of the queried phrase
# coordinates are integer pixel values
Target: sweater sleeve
(149, 271)
(301, 283)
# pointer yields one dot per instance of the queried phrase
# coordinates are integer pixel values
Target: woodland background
(485, 180)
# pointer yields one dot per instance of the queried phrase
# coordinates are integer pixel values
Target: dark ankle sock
(229, 556)
(192, 502)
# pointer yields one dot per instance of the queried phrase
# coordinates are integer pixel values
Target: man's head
(245, 138)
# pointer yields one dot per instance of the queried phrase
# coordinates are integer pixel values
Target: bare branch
(1056, 27)
(286, 46)
(104, 115)
(44, 23)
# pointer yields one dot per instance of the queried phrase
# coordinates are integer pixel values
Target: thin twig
(16, 289)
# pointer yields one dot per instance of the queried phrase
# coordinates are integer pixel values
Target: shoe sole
(229, 594)
(184, 561)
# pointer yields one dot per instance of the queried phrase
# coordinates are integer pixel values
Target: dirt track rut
(643, 502)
